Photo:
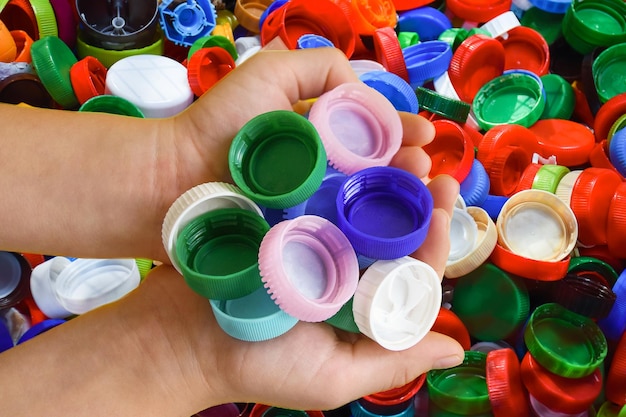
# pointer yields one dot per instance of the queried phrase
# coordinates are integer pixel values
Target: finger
(436, 247)
(417, 130)
(412, 159)
(275, 44)
(377, 369)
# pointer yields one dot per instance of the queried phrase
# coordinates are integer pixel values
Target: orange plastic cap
(23, 42)
(8, 49)
(88, 77)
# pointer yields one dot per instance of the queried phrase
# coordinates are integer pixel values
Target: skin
(99, 185)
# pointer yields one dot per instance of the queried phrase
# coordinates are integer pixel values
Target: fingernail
(448, 362)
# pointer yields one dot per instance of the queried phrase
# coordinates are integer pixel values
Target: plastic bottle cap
(563, 342)
(25, 88)
(195, 201)
(42, 286)
(485, 242)
(358, 409)
(408, 38)
(475, 187)
(395, 400)
(65, 21)
(565, 187)
(560, 394)
(560, 97)
(451, 151)
(463, 388)
(528, 176)
(278, 159)
(536, 224)
(513, 98)
(450, 324)
(184, 22)
(478, 60)
(46, 19)
(428, 22)
(525, 48)
(368, 17)
(507, 394)
(478, 10)
(15, 272)
(313, 41)
(584, 264)
(505, 167)
(322, 17)
(529, 268)
(389, 52)
(217, 252)
(308, 267)
(394, 88)
(616, 222)
(501, 25)
(358, 126)
(613, 325)
(214, 40)
(108, 57)
(8, 49)
(463, 235)
(585, 295)
(615, 386)
(248, 13)
(111, 104)
(52, 60)
(552, 6)
(206, 67)
(608, 72)
(399, 202)
(619, 124)
(591, 197)
(608, 113)
(569, 141)
(23, 42)
(426, 60)
(6, 340)
(397, 301)
(88, 77)
(252, 318)
(19, 14)
(344, 318)
(491, 303)
(548, 176)
(156, 84)
(39, 328)
(546, 23)
(455, 110)
(589, 24)
(505, 135)
(86, 284)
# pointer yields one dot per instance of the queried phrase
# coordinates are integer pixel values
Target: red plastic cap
(569, 141)
(321, 17)
(505, 135)
(615, 388)
(591, 196)
(88, 78)
(565, 395)
(402, 5)
(608, 113)
(616, 224)
(478, 60)
(207, 66)
(478, 10)
(389, 52)
(450, 324)
(528, 177)
(599, 157)
(527, 49)
(451, 151)
(397, 399)
(507, 394)
(529, 268)
(367, 16)
(505, 167)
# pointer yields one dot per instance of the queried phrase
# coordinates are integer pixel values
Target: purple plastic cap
(385, 212)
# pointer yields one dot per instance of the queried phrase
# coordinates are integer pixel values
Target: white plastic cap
(43, 287)
(463, 234)
(501, 24)
(156, 84)
(363, 66)
(397, 302)
(86, 284)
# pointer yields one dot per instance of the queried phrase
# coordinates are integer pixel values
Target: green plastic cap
(210, 41)
(491, 303)
(111, 104)
(609, 72)
(560, 97)
(563, 342)
(547, 24)
(548, 177)
(277, 159)
(463, 388)
(408, 38)
(592, 23)
(449, 108)
(218, 253)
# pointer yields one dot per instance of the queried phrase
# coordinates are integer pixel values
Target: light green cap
(548, 177)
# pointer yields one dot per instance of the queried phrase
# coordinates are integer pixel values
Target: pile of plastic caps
(528, 98)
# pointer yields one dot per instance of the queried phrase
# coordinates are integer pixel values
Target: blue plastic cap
(6, 341)
(184, 23)
(426, 61)
(385, 212)
(427, 22)
(39, 328)
(475, 187)
(394, 88)
(269, 9)
(617, 151)
(614, 325)
(493, 204)
(552, 6)
(322, 202)
(311, 40)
